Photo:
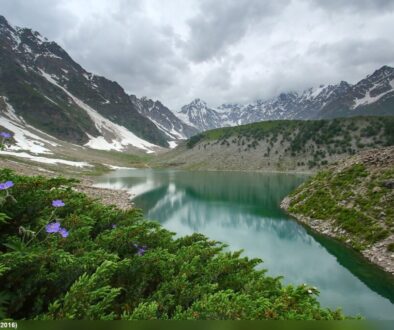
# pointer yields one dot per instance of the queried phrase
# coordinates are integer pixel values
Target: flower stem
(36, 234)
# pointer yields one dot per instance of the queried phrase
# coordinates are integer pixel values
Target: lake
(242, 210)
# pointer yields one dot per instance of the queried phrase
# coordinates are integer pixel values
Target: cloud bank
(217, 50)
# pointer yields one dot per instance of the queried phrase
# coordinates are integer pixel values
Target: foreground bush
(111, 264)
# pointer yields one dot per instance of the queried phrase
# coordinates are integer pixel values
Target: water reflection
(241, 209)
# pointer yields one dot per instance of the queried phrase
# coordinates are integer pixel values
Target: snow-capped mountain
(199, 115)
(373, 95)
(163, 118)
(50, 92)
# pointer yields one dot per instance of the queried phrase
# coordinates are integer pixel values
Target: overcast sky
(217, 50)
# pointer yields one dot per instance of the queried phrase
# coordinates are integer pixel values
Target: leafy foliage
(97, 272)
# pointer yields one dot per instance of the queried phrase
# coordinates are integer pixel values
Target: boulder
(388, 184)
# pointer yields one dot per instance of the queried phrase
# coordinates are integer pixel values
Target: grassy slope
(283, 144)
(354, 200)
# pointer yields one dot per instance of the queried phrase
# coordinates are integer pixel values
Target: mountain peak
(198, 102)
(4, 24)
(3, 21)
(385, 70)
(288, 96)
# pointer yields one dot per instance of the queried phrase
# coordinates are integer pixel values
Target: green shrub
(194, 140)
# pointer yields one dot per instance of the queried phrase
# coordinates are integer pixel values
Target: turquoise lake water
(242, 210)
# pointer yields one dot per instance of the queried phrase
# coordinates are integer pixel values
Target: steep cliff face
(164, 119)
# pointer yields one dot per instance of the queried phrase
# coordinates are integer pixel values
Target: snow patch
(101, 143)
(173, 144)
(25, 139)
(170, 133)
(185, 118)
(114, 167)
(317, 91)
(368, 99)
(27, 49)
(50, 100)
(123, 137)
(48, 54)
(45, 159)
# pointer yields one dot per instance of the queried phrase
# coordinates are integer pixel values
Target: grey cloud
(135, 59)
(219, 78)
(46, 16)
(120, 43)
(222, 23)
(348, 53)
(354, 5)
(218, 50)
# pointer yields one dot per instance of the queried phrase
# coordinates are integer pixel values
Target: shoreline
(238, 170)
(376, 253)
(107, 196)
(118, 197)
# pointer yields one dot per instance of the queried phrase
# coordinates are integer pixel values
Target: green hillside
(336, 134)
(283, 144)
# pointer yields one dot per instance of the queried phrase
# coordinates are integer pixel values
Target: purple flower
(140, 250)
(58, 203)
(63, 232)
(53, 227)
(5, 135)
(6, 185)
(113, 226)
(9, 184)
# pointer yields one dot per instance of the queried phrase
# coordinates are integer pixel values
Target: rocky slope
(353, 202)
(200, 116)
(373, 95)
(41, 86)
(164, 118)
(281, 145)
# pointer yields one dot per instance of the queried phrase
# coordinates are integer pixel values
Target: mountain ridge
(373, 95)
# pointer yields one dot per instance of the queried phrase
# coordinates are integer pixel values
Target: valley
(172, 210)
